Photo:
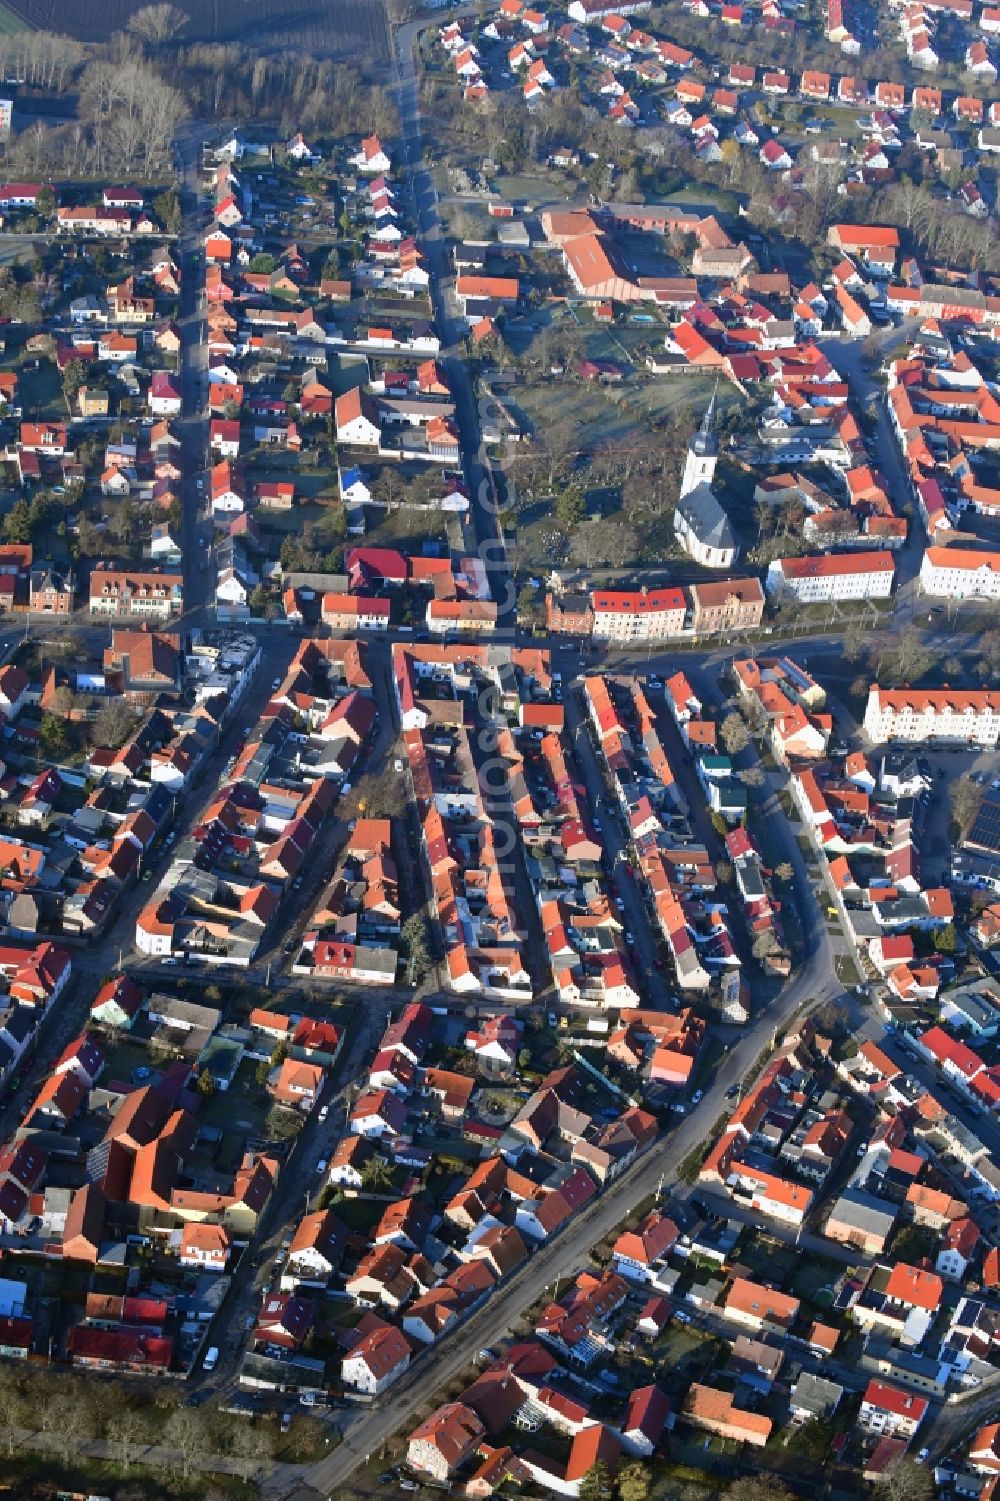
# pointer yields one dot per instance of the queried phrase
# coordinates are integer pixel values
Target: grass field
(347, 27)
(10, 22)
(35, 1475)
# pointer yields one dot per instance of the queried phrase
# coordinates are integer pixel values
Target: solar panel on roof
(985, 831)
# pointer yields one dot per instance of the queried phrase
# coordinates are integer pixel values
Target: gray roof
(184, 1013)
(815, 1395)
(979, 1000)
(706, 518)
(864, 1211)
(385, 960)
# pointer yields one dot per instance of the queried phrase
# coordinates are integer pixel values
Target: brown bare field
(345, 27)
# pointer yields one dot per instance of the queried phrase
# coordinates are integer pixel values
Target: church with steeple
(700, 524)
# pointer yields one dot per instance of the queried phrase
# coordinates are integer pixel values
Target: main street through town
(366, 1430)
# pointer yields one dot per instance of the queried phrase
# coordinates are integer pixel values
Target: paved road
(366, 1432)
(637, 923)
(192, 429)
(297, 1187)
(846, 355)
(483, 534)
(96, 959)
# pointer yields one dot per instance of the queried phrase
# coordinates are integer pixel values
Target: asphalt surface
(192, 429)
(814, 983)
(365, 1432)
(643, 946)
(98, 957)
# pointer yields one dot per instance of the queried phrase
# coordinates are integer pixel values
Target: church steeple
(705, 442)
(703, 454)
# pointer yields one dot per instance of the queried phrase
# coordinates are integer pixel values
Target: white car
(321, 1166)
(324, 1112)
(697, 1097)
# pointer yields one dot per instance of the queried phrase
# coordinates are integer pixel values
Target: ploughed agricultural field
(322, 26)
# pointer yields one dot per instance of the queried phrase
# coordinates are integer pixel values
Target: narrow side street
(192, 429)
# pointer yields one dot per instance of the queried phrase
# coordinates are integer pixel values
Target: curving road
(485, 535)
(367, 1431)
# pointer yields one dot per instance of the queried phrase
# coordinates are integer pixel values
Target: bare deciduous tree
(157, 24)
(966, 797)
(125, 1429)
(735, 735)
(185, 1432)
(13, 1410)
(251, 1445)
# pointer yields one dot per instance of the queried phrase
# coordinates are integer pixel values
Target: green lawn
(40, 391)
(697, 1450)
(359, 1214)
(768, 1257)
(812, 1279)
(405, 526)
(243, 1107)
(595, 414)
(10, 24)
(846, 969)
(124, 1057)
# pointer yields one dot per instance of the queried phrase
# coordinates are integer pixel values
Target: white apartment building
(824, 578)
(939, 714)
(960, 573)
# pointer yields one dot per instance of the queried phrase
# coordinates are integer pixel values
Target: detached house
(372, 159)
(376, 1361)
(443, 1441)
(885, 1410)
(636, 1251)
(315, 1251)
(204, 1247)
